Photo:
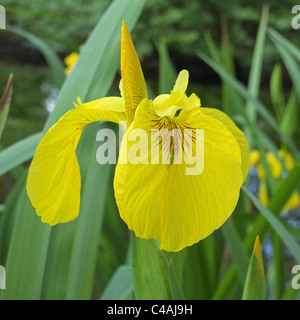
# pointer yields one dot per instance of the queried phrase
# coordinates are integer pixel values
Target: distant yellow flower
(254, 158)
(70, 62)
(158, 201)
(276, 169)
(263, 193)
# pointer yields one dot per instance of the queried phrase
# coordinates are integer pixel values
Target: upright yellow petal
(53, 184)
(182, 82)
(237, 133)
(163, 202)
(134, 85)
(177, 97)
(257, 250)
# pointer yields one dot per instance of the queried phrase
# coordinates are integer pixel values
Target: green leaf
(25, 263)
(167, 72)
(255, 284)
(120, 286)
(256, 64)
(177, 260)
(291, 65)
(18, 153)
(5, 103)
(290, 117)
(282, 232)
(290, 47)
(8, 216)
(231, 101)
(276, 91)
(237, 250)
(214, 51)
(54, 62)
(151, 270)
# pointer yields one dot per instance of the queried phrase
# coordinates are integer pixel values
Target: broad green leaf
(290, 117)
(57, 262)
(231, 101)
(54, 62)
(237, 250)
(256, 64)
(279, 266)
(151, 270)
(213, 50)
(195, 268)
(177, 261)
(8, 216)
(5, 103)
(255, 284)
(114, 245)
(290, 47)
(167, 72)
(291, 65)
(120, 286)
(25, 262)
(18, 153)
(276, 91)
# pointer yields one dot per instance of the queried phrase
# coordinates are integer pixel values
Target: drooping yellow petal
(163, 202)
(237, 133)
(53, 184)
(134, 85)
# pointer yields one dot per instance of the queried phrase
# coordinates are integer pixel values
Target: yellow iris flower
(276, 169)
(157, 201)
(70, 62)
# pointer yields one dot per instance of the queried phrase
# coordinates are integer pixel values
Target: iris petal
(134, 85)
(54, 182)
(162, 202)
(237, 133)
